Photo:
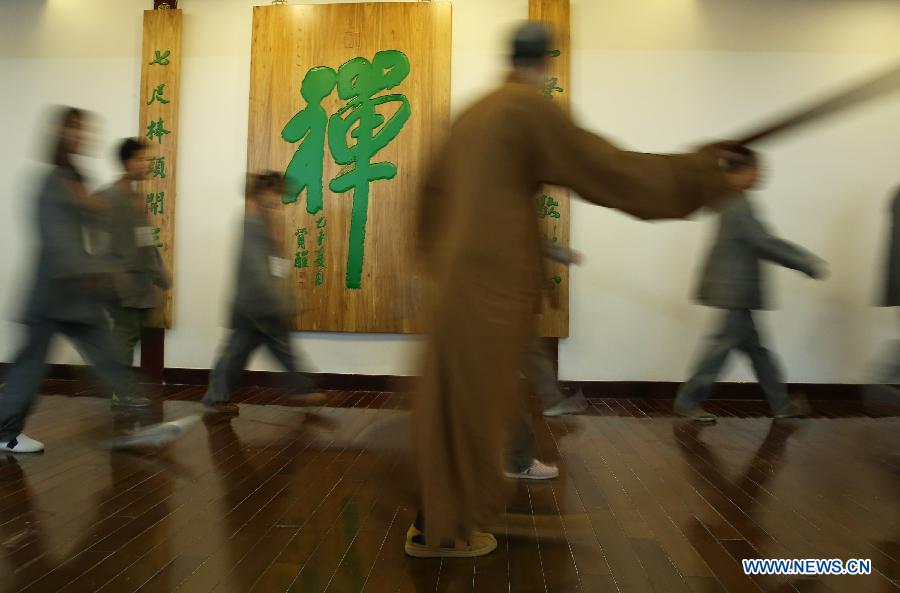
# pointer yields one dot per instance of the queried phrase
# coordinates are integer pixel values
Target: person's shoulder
(56, 176)
(55, 183)
(509, 96)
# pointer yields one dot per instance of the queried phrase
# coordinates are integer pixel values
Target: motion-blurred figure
(260, 314)
(538, 366)
(539, 371)
(481, 245)
(732, 280)
(139, 269)
(66, 296)
(890, 373)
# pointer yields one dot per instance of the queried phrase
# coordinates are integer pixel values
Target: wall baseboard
(334, 381)
(725, 390)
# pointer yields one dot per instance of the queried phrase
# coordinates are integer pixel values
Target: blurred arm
(648, 186)
(767, 245)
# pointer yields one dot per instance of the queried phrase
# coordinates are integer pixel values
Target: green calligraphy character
(358, 83)
(308, 127)
(156, 239)
(161, 58)
(158, 95)
(157, 167)
(551, 86)
(157, 129)
(155, 202)
(301, 238)
(320, 277)
(546, 206)
(301, 259)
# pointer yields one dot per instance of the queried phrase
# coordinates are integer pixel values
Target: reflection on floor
(286, 498)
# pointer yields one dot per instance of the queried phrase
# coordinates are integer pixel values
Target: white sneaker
(537, 471)
(22, 444)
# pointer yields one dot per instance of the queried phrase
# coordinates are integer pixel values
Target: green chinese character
(157, 167)
(156, 240)
(157, 129)
(320, 277)
(306, 167)
(301, 259)
(360, 83)
(301, 238)
(546, 206)
(551, 86)
(161, 58)
(155, 202)
(320, 257)
(158, 95)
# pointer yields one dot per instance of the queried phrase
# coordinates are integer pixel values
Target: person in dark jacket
(260, 314)
(139, 272)
(66, 294)
(733, 281)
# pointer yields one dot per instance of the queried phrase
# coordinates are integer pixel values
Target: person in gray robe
(139, 269)
(260, 314)
(733, 281)
(66, 296)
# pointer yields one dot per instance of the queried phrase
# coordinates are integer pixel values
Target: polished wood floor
(284, 498)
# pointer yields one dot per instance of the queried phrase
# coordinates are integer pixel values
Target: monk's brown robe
(478, 233)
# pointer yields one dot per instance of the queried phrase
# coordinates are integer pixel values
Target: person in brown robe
(478, 236)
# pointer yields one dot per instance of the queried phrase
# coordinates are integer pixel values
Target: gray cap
(531, 41)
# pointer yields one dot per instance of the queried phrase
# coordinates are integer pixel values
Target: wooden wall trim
(349, 382)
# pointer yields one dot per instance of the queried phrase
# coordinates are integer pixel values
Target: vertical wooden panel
(553, 204)
(290, 41)
(160, 78)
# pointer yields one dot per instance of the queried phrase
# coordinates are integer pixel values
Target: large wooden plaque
(350, 101)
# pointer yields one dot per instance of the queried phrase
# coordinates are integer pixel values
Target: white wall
(655, 74)
(663, 74)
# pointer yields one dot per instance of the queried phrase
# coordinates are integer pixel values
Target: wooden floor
(284, 498)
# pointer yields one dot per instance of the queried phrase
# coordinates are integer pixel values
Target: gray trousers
(26, 374)
(737, 331)
(537, 366)
(246, 336)
(127, 328)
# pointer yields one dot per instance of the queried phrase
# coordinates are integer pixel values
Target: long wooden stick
(883, 84)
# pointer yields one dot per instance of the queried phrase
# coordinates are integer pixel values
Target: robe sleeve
(648, 186)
